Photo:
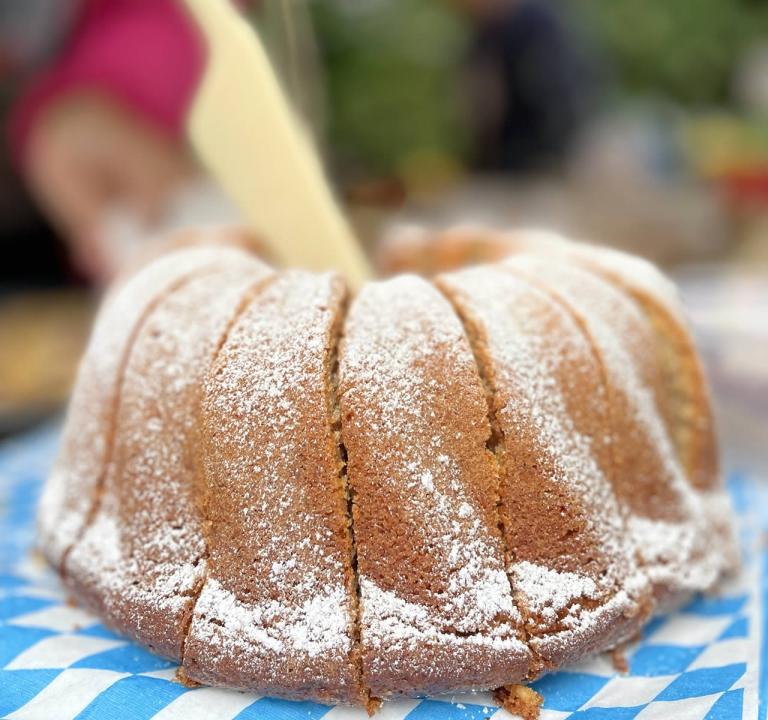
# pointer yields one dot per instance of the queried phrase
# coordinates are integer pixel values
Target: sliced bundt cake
(432, 486)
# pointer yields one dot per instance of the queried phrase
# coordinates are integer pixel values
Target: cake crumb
(619, 659)
(373, 705)
(519, 700)
(183, 679)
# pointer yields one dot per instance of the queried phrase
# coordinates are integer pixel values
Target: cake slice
(436, 606)
(569, 558)
(684, 402)
(685, 399)
(277, 609)
(667, 515)
(86, 444)
(141, 560)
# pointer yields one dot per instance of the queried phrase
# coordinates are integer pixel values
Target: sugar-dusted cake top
(431, 486)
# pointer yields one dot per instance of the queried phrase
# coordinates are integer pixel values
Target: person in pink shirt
(101, 123)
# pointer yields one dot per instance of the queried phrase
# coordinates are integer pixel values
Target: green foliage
(392, 80)
(686, 49)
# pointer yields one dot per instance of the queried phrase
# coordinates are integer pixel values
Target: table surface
(58, 662)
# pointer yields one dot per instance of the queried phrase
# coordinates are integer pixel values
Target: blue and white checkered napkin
(58, 662)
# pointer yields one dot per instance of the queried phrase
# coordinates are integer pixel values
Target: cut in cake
(68, 499)
(436, 609)
(142, 557)
(571, 565)
(277, 608)
(436, 485)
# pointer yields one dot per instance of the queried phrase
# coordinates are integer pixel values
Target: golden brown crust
(499, 469)
(141, 560)
(275, 612)
(436, 606)
(572, 570)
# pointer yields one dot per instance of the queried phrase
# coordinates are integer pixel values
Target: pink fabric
(145, 54)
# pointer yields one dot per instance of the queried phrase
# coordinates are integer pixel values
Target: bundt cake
(436, 485)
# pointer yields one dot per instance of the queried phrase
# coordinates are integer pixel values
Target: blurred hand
(88, 157)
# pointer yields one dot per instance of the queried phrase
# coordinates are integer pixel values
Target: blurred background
(638, 124)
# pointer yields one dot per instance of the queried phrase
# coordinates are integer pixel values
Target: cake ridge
(700, 460)
(140, 559)
(495, 444)
(97, 496)
(248, 296)
(67, 497)
(658, 299)
(337, 423)
(543, 366)
(580, 323)
(275, 610)
(433, 583)
(666, 534)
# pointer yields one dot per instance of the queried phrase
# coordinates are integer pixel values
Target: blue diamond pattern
(567, 690)
(703, 681)
(654, 660)
(140, 695)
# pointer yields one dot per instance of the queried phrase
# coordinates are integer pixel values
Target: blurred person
(529, 85)
(99, 123)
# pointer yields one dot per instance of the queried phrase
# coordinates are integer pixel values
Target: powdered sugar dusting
(624, 342)
(316, 625)
(579, 622)
(674, 554)
(405, 365)
(111, 574)
(536, 351)
(69, 492)
(388, 619)
(548, 592)
(276, 606)
(149, 487)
